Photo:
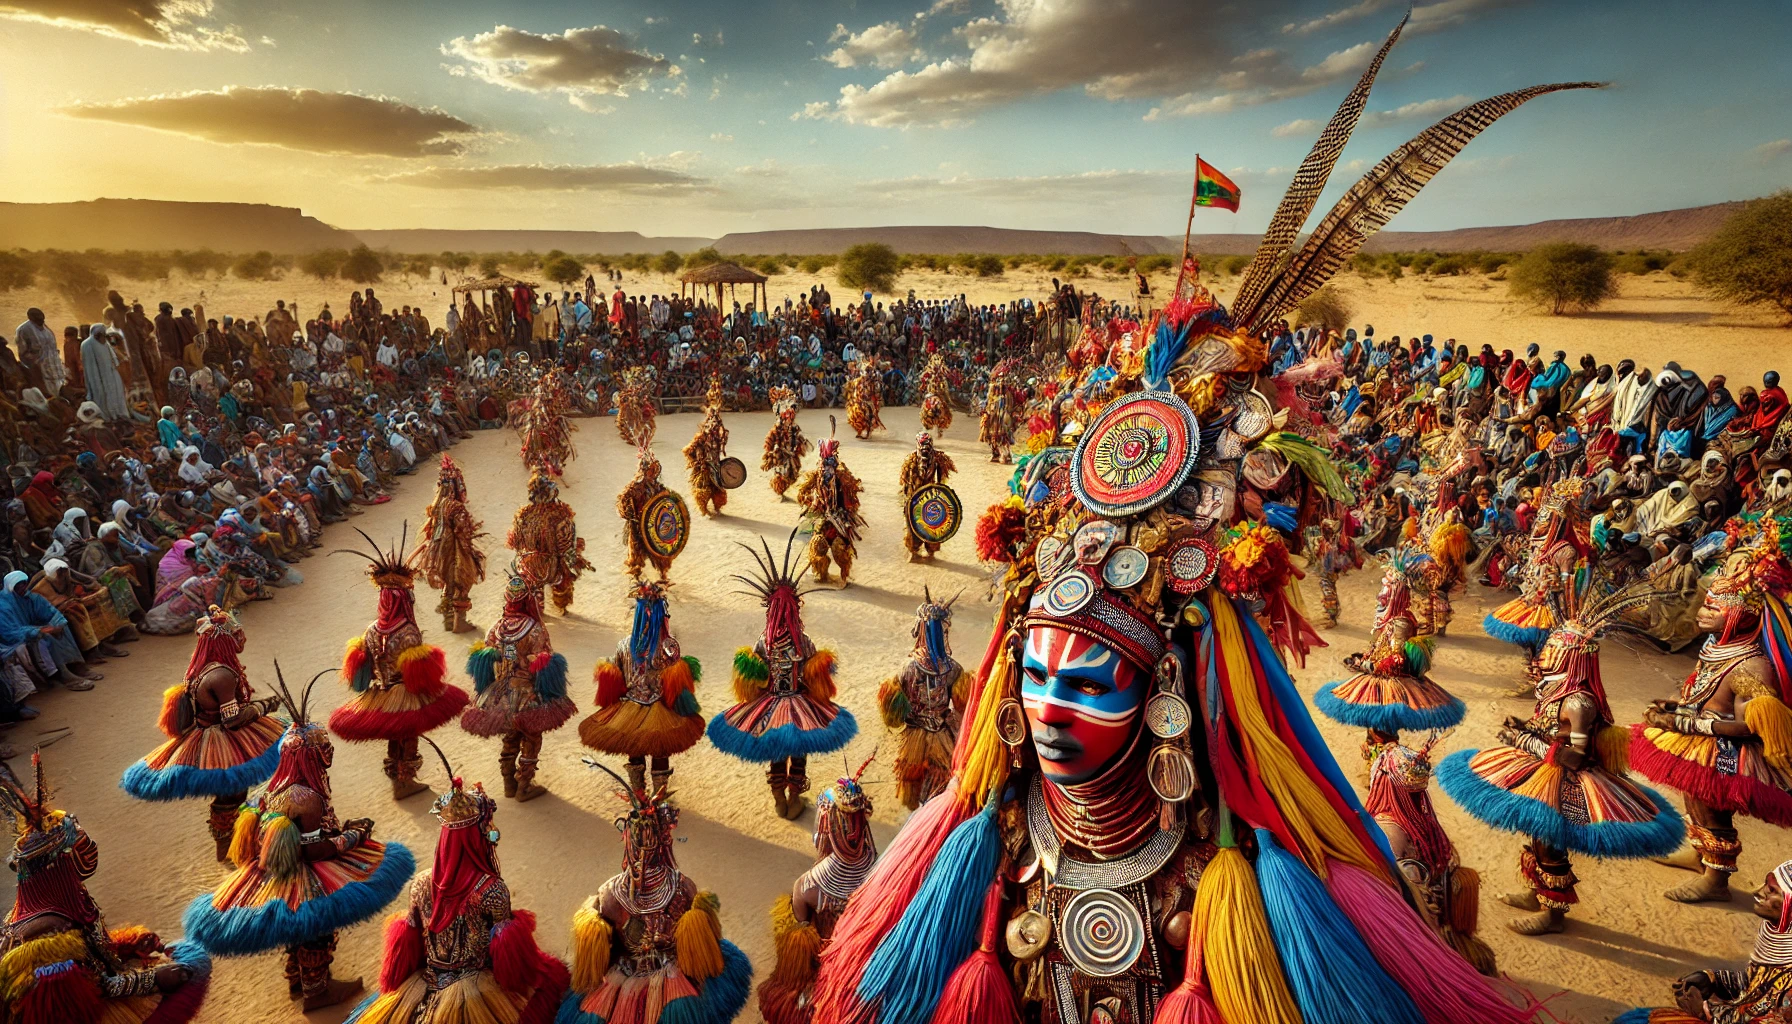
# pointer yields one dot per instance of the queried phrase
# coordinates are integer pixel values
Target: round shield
(731, 473)
(1191, 565)
(934, 514)
(1102, 932)
(1136, 453)
(665, 524)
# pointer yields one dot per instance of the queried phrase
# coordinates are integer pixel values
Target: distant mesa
(248, 227)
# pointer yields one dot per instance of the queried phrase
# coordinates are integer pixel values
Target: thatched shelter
(493, 283)
(724, 275)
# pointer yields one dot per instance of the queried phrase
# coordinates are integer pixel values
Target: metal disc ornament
(1101, 932)
(934, 514)
(731, 473)
(1050, 557)
(1167, 716)
(1190, 565)
(1135, 454)
(665, 524)
(1171, 773)
(1069, 593)
(1125, 567)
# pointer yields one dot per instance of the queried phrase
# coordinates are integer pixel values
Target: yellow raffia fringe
(1770, 719)
(1317, 827)
(1613, 747)
(818, 675)
(590, 948)
(798, 946)
(354, 646)
(1242, 966)
(699, 940)
(400, 1006)
(1545, 784)
(280, 856)
(245, 839)
(17, 968)
(475, 999)
(886, 702)
(985, 767)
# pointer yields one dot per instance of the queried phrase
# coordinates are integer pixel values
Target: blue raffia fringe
(1528, 637)
(1640, 1015)
(1387, 717)
(1334, 977)
(247, 930)
(481, 666)
(1510, 812)
(182, 781)
(719, 1000)
(550, 682)
(784, 741)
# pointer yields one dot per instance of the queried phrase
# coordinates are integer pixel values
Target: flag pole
(1194, 194)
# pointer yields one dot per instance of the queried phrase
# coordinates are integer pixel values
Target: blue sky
(701, 117)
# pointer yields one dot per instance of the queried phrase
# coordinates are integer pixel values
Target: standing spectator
(37, 348)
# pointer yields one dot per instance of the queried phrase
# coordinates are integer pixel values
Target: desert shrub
(257, 266)
(1564, 277)
(769, 265)
(16, 271)
(1422, 262)
(563, 270)
(1365, 263)
(455, 261)
(201, 261)
(1234, 265)
(987, 266)
(1156, 263)
(77, 278)
(363, 266)
(1642, 261)
(490, 264)
(703, 257)
(668, 262)
(1327, 308)
(324, 263)
(1493, 261)
(419, 265)
(1452, 265)
(1749, 260)
(868, 266)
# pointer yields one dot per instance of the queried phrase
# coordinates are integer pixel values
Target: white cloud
(1337, 17)
(1264, 76)
(720, 137)
(816, 111)
(579, 63)
(1433, 17)
(174, 24)
(1435, 108)
(888, 45)
(1771, 152)
(629, 177)
(1299, 126)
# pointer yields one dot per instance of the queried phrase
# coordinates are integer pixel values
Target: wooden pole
(1194, 194)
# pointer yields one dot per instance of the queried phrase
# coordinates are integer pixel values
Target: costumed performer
(397, 683)
(221, 739)
(784, 688)
(923, 703)
(546, 540)
(785, 445)
(829, 494)
(925, 465)
(1333, 554)
(1559, 548)
(936, 395)
(1003, 405)
(520, 687)
(646, 695)
(704, 454)
(865, 399)
(647, 947)
(632, 505)
(301, 875)
(449, 554)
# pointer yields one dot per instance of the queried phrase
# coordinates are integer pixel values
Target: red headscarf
(1767, 417)
(463, 864)
(397, 607)
(215, 647)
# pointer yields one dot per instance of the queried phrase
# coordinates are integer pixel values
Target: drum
(731, 473)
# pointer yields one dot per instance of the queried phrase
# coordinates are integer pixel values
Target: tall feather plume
(1309, 181)
(1377, 197)
(634, 801)
(439, 753)
(15, 803)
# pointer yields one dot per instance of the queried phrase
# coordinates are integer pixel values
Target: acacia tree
(870, 266)
(363, 266)
(1749, 260)
(1564, 277)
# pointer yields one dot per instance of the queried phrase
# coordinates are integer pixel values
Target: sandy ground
(1654, 317)
(1624, 945)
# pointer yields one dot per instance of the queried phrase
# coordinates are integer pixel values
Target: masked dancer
(936, 395)
(449, 554)
(803, 920)
(923, 702)
(1003, 405)
(59, 961)
(865, 400)
(784, 688)
(1333, 554)
(460, 953)
(923, 466)
(785, 445)
(1391, 691)
(221, 740)
(646, 695)
(301, 874)
(636, 404)
(655, 522)
(397, 683)
(648, 947)
(829, 494)
(520, 686)
(704, 454)
(547, 542)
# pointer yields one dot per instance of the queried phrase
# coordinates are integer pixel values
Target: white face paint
(1779, 485)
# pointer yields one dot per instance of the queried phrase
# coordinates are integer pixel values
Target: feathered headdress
(387, 569)
(459, 807)
(217, 622)
(450, 472)
(776, 585)
(40, 831)
(830, 448)
(297, 704)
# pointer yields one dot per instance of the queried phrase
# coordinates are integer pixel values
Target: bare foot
(1543, 922)
(1709, 887)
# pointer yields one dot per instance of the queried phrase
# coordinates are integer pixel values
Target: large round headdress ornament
(1136, 454)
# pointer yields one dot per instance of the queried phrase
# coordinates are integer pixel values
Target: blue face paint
(1082, 702)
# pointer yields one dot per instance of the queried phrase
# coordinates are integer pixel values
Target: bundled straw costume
(646, 695)
(397, 683)
(865, 400)
(631, 503)
(449, 555)
(936, 395)
(1391, 692)
(648, 947)
(925, 465)
(636, 404)
(1561, 777)
(803, 921)
(785, 445)
(520, 686)
(547, 433)
(59, 962)
(221, 740)
(1332, 554)
(1559, 549)
(1448, 893)
(923, 703)
(784, 688)
(1003, 405)
(547, 542)
(1726, 742)
(301, 874)
(704, 454)
(1449, 547)
(1144, 825)
(829, 494)
(460, 953)
(1761, 994)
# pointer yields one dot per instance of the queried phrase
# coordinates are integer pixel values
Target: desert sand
(1624, 945)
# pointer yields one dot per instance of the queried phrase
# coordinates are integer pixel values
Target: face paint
(1082, 701)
